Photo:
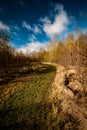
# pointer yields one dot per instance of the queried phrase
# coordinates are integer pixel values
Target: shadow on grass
(36, 117)
(33, 117)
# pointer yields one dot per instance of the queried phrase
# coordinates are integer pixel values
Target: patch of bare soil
(69, 100)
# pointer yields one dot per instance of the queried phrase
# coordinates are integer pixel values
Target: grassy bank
(23, 101)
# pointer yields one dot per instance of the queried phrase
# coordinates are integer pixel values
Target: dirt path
(68, 102)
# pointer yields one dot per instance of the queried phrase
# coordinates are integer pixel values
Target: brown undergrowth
(69, 101)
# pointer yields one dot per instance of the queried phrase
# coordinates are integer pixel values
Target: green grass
(24, 102)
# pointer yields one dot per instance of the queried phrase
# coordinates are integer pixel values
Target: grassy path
(38, 101)
(24, 101)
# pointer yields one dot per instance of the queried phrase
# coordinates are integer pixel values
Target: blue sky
(33, 23)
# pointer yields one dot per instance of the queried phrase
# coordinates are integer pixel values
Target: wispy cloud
(15, 33)
(61, 20)
(45, 20)
(32, 47)
(26, 25)
(4, 27)
(32, 38)
(83, 14)
(16, 28)
(22, 3)
(35, 29)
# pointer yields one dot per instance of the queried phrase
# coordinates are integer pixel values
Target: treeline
(72, 51)
(69, 52)
(9, 58)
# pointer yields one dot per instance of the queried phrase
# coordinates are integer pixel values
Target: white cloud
(26, 25)
(4, 27)
(15, 33)
(60, 23)
(51, 28)
(35, 29)
(45, 20)
(58, 7)
(16, 28)
(31, 47)
(32, 38)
